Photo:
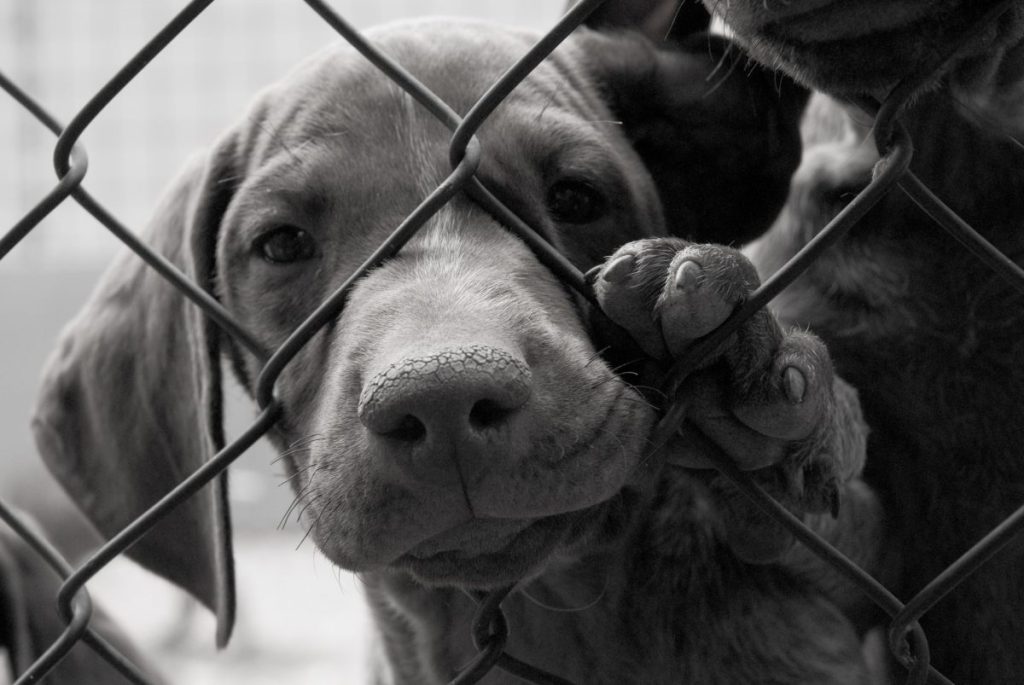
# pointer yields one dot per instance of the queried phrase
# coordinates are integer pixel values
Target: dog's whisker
(300, 471)
(298, 499)
(638, 399)
(305, 507)
(306, 440)
(643, 387)
(675, 18)
(313, 525)
(596, 356)
(621, 379)
(305, 536)
(291, 467)
(617, 376)
(629, 362)
(296, 447)
(316, 523)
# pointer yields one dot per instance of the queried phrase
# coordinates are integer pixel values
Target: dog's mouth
(494, 528)
(474, 538)
(850, 47)
(489, 553)
(849, 20)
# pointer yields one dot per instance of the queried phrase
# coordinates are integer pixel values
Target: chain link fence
(490, 630)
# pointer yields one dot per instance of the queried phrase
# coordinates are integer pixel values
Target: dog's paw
(668, 292)
(767, 398)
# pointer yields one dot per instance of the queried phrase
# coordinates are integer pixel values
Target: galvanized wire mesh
(490, 630)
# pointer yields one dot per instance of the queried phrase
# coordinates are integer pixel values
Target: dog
(932, 344)
(458, 426)
(933, 351)
(30, 624)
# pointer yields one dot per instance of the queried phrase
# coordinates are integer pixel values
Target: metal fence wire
(490, 630)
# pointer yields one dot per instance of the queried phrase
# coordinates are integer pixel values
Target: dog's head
(867, 46)
(455, 420)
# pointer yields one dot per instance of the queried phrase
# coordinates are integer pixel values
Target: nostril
(488, 413)
(409, 429)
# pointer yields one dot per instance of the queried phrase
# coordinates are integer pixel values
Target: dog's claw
(619, 269)
(687, 275)
(795, 384)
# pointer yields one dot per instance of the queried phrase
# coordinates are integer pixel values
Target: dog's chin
(486, 554)
(854, 48)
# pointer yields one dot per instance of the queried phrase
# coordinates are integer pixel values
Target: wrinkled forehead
(339, 122)
(338, 94)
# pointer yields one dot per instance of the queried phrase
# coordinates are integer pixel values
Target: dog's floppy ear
(130, 401)
(719, 134)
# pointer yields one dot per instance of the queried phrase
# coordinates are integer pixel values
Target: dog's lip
(510, 557)
(476, 537)
(844, 20)
(487, 562)
(848, 48)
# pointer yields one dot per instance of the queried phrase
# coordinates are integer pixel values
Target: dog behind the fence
(490, 629)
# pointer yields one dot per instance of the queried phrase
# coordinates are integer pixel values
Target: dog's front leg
(767, 399)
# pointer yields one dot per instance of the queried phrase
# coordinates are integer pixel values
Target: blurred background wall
(300, 620)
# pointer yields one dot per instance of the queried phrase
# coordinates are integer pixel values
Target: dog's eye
(572, 201)
(286, 244)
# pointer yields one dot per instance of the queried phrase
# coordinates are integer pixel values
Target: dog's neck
(425, 633)
(590, 615)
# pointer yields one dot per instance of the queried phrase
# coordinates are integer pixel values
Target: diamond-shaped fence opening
(490, 629)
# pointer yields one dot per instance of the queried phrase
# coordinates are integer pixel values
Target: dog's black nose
(443, 415)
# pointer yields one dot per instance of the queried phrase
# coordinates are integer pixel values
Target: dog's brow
(286, 164)
(290, 178)
(311, 201)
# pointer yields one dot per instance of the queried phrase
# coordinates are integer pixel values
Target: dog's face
(476, 476)
(865, 46)
(456, 420)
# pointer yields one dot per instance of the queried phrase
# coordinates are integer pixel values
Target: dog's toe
(791, 395)
(703, 286)
(667, 292)
(627, 286)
